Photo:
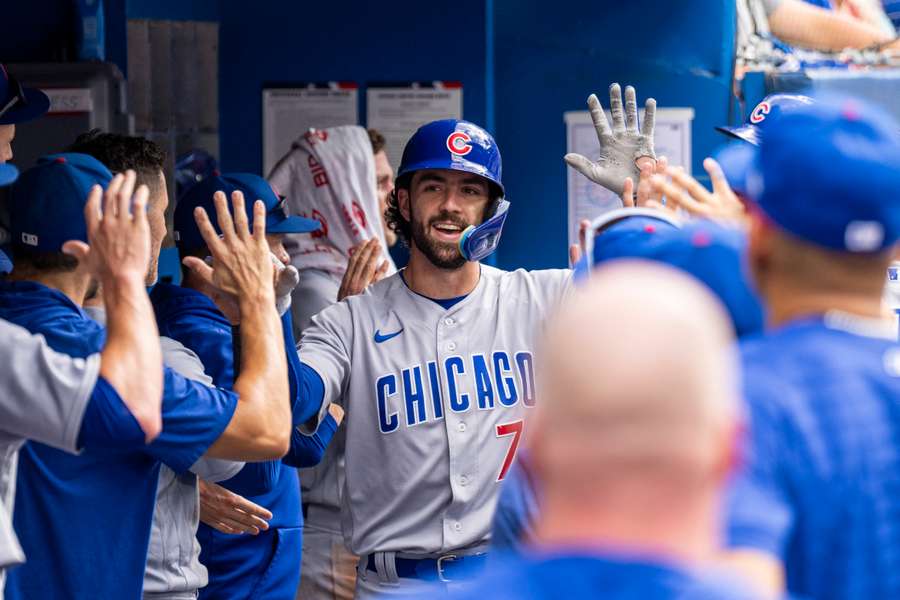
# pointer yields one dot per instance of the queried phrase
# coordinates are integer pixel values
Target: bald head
(637, 372)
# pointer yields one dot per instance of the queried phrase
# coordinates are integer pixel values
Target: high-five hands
(623, 147)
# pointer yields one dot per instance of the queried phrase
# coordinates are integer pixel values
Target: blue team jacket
(241, 566)
(84, 520)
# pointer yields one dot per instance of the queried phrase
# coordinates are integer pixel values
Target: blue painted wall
(270, 41)
(548, 59)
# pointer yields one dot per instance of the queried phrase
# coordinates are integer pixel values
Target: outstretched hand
(364, 268)
(119, 235)
(620, 147)
(685, 192)
(241, 264)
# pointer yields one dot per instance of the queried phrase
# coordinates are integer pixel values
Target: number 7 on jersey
(513, 429)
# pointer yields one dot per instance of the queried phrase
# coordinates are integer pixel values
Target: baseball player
(50, 397)
(18, 104)
(435, 364)
(173, 567)
(103, 499)
(358, 258)
(814, 511)
(242, 566)
(710, 253)
(631, 469)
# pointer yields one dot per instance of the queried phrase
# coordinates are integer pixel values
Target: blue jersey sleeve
(759, 511)
(255, 479)
(305, 401)
(516, 511)
(308, 450)
(194, 416)
(107, 422)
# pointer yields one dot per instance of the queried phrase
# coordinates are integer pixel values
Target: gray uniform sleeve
(44, 393)
(323, 348)
(10, 551)
(186, 363)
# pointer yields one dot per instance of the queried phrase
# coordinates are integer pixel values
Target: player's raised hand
(683, 191)
(364, 268)
(118, 232)
(241, 264)
(228, 512)
(624, 146)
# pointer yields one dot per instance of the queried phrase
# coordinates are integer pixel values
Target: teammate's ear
(402, 195)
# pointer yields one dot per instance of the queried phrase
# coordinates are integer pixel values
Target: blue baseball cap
(187, 234)
(766, 115)
(19, 104)
(830, 174)
(47, 203)
(712, 253)
(8, 174)
(619, 233)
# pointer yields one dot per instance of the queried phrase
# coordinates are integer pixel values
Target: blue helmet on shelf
(459, 145)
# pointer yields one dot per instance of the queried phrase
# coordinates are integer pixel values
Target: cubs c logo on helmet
(759, 113)
(458, 143)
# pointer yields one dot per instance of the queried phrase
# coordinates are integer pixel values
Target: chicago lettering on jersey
(415, 394)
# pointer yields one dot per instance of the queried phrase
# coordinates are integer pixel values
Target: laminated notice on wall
(288, 113)
(397, 110)
(587, 200)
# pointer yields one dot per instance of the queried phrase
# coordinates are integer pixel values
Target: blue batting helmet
(766, 114)
(453, 144)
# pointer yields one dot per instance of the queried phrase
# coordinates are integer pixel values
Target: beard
(443, 255)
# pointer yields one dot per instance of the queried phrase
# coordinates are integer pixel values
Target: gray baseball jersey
(43, 397)
(173, 569)
(436, 402)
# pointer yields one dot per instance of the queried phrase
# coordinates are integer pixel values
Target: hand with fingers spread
(364, 268)
(623, 146)
(119, 234)
(683, 191)
(228, 512)
(241, 263)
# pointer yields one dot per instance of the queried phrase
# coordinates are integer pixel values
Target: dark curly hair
(121, 152)
(395, 220)
(376, 139)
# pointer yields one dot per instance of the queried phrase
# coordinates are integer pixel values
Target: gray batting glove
(286, 279)
(621, 146)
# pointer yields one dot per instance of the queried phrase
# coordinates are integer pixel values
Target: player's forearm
(131, 360)
(810, 26)
(263, 379)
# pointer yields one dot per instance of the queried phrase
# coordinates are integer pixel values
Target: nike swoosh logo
(383, 338)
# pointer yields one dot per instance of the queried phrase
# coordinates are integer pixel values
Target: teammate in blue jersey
(86, 518)
(631, 469)
(815, 510)
(47, 396)
(268, 564)
(711, 253)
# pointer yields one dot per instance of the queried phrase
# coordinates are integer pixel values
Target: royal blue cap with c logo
(829, 174)
(47, 203)
(767, 114)
(187, 234)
